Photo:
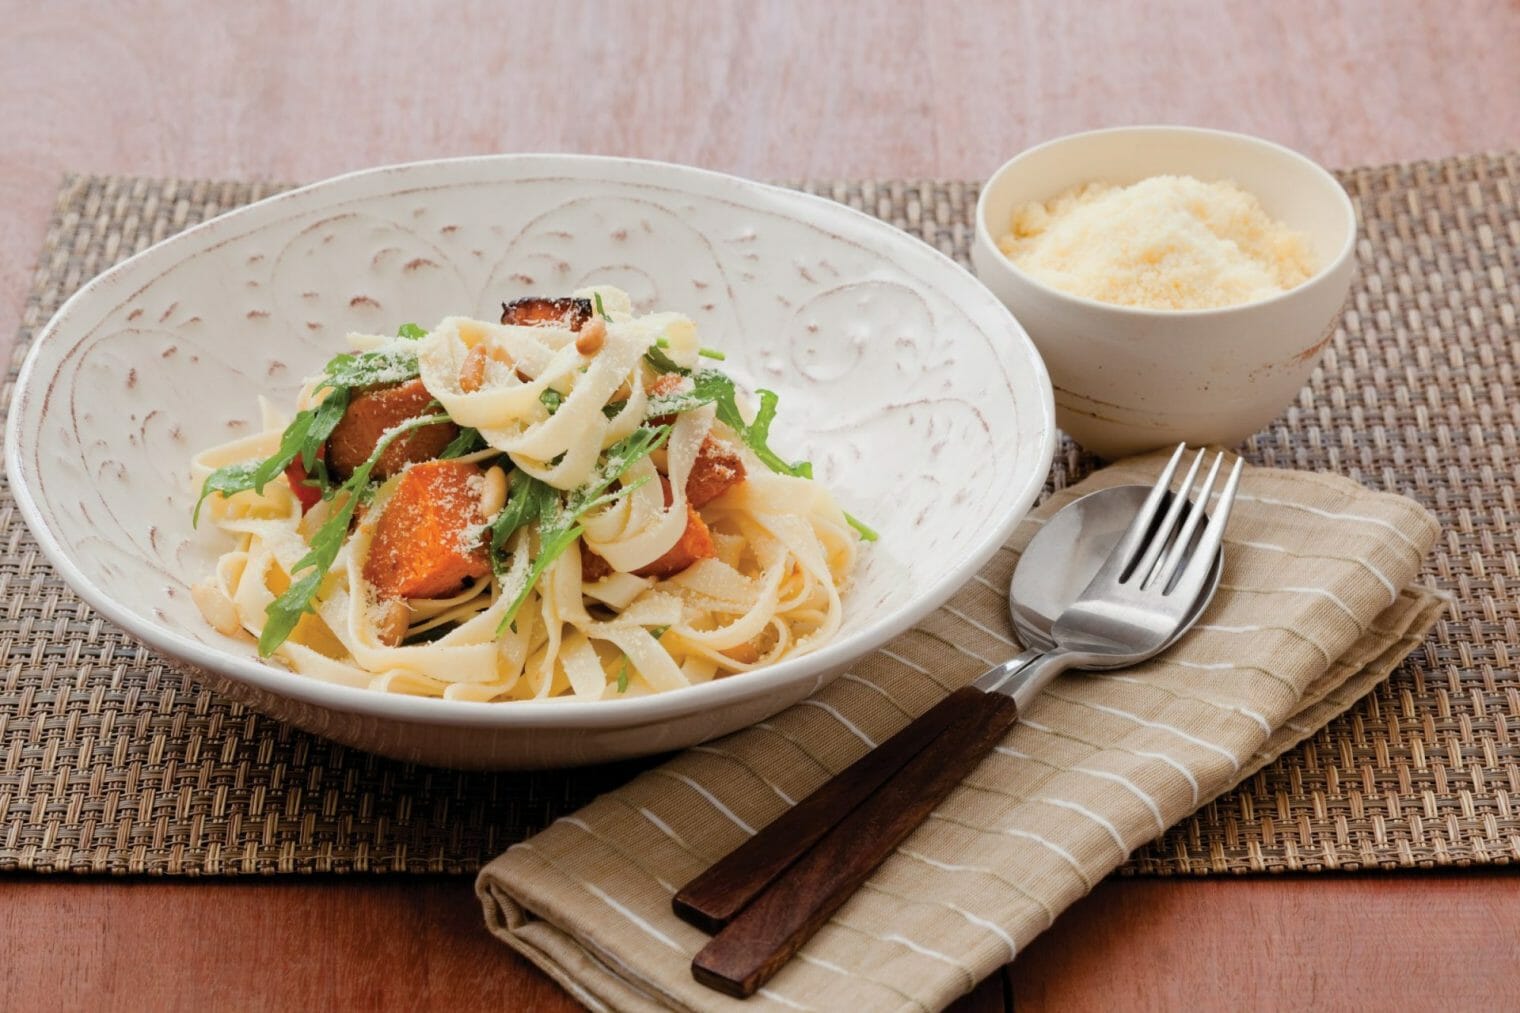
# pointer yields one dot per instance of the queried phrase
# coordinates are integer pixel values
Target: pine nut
(392, 617)
(493, 492)
(216, 607)
(592, 335)
(745, 654)
(472, 372)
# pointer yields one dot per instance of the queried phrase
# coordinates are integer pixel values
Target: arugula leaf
(393, 364)
(709, 386)
(411, 331)
(324, 420)
(756, 435)
(867, 533)
(612, 408)
(528, 501)
(662, 362)
(226, 480)
(619, 457)
(551, 399)
(553, 541)
(311, 427)
(303, 438)
(622, 683)
(467, 442)
(285, 611)
(293, 442)
(559, 524)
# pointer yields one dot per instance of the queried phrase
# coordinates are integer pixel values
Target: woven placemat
(112, 761)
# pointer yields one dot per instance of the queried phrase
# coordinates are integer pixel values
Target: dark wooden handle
(767, 933)
(711, 900)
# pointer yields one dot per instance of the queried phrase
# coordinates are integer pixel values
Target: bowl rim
(1327, 271)
(557, 712)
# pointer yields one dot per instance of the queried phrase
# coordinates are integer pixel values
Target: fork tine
(1161, 538)
(1196, 571)
(1179, 552)
(1134, 536)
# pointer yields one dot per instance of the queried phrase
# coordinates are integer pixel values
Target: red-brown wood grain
(711, 900)
(1361, 941)
(784, 915)
(302, 90)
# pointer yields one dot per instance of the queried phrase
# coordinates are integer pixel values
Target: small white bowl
(1129, 379)
(916, 395)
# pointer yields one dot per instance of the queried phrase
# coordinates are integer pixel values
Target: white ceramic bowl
(915, 393)
(1129, 379)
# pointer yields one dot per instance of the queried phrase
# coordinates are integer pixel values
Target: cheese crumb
(1168, 242)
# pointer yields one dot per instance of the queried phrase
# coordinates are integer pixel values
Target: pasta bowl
(917, 396)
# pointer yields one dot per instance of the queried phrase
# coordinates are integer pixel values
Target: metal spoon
(1060, 561)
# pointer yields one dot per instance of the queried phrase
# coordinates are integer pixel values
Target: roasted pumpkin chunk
(695, 543)
(593, 567)
(718, 466)
(370, 415)
(429, 539)
(538, 311)
(717, 469)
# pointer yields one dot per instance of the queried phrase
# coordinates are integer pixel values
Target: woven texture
(111, 761)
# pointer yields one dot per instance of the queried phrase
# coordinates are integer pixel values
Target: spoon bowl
(1066, 553)
(1127, 612)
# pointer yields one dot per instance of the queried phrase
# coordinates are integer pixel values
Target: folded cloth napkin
(1316, 607)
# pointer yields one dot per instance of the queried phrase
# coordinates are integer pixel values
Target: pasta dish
(572, 502)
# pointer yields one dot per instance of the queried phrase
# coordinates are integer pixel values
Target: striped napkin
(1315, 608)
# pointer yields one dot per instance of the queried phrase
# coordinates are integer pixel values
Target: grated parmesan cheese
(1168, 242)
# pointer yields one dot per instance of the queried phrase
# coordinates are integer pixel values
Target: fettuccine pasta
(568, 503)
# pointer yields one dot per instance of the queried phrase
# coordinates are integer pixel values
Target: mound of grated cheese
(1168, 242)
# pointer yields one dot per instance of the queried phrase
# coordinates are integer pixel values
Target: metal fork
(1134, 605)
(765, 898)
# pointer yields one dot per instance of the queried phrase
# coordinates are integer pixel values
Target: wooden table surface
(303, 90)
